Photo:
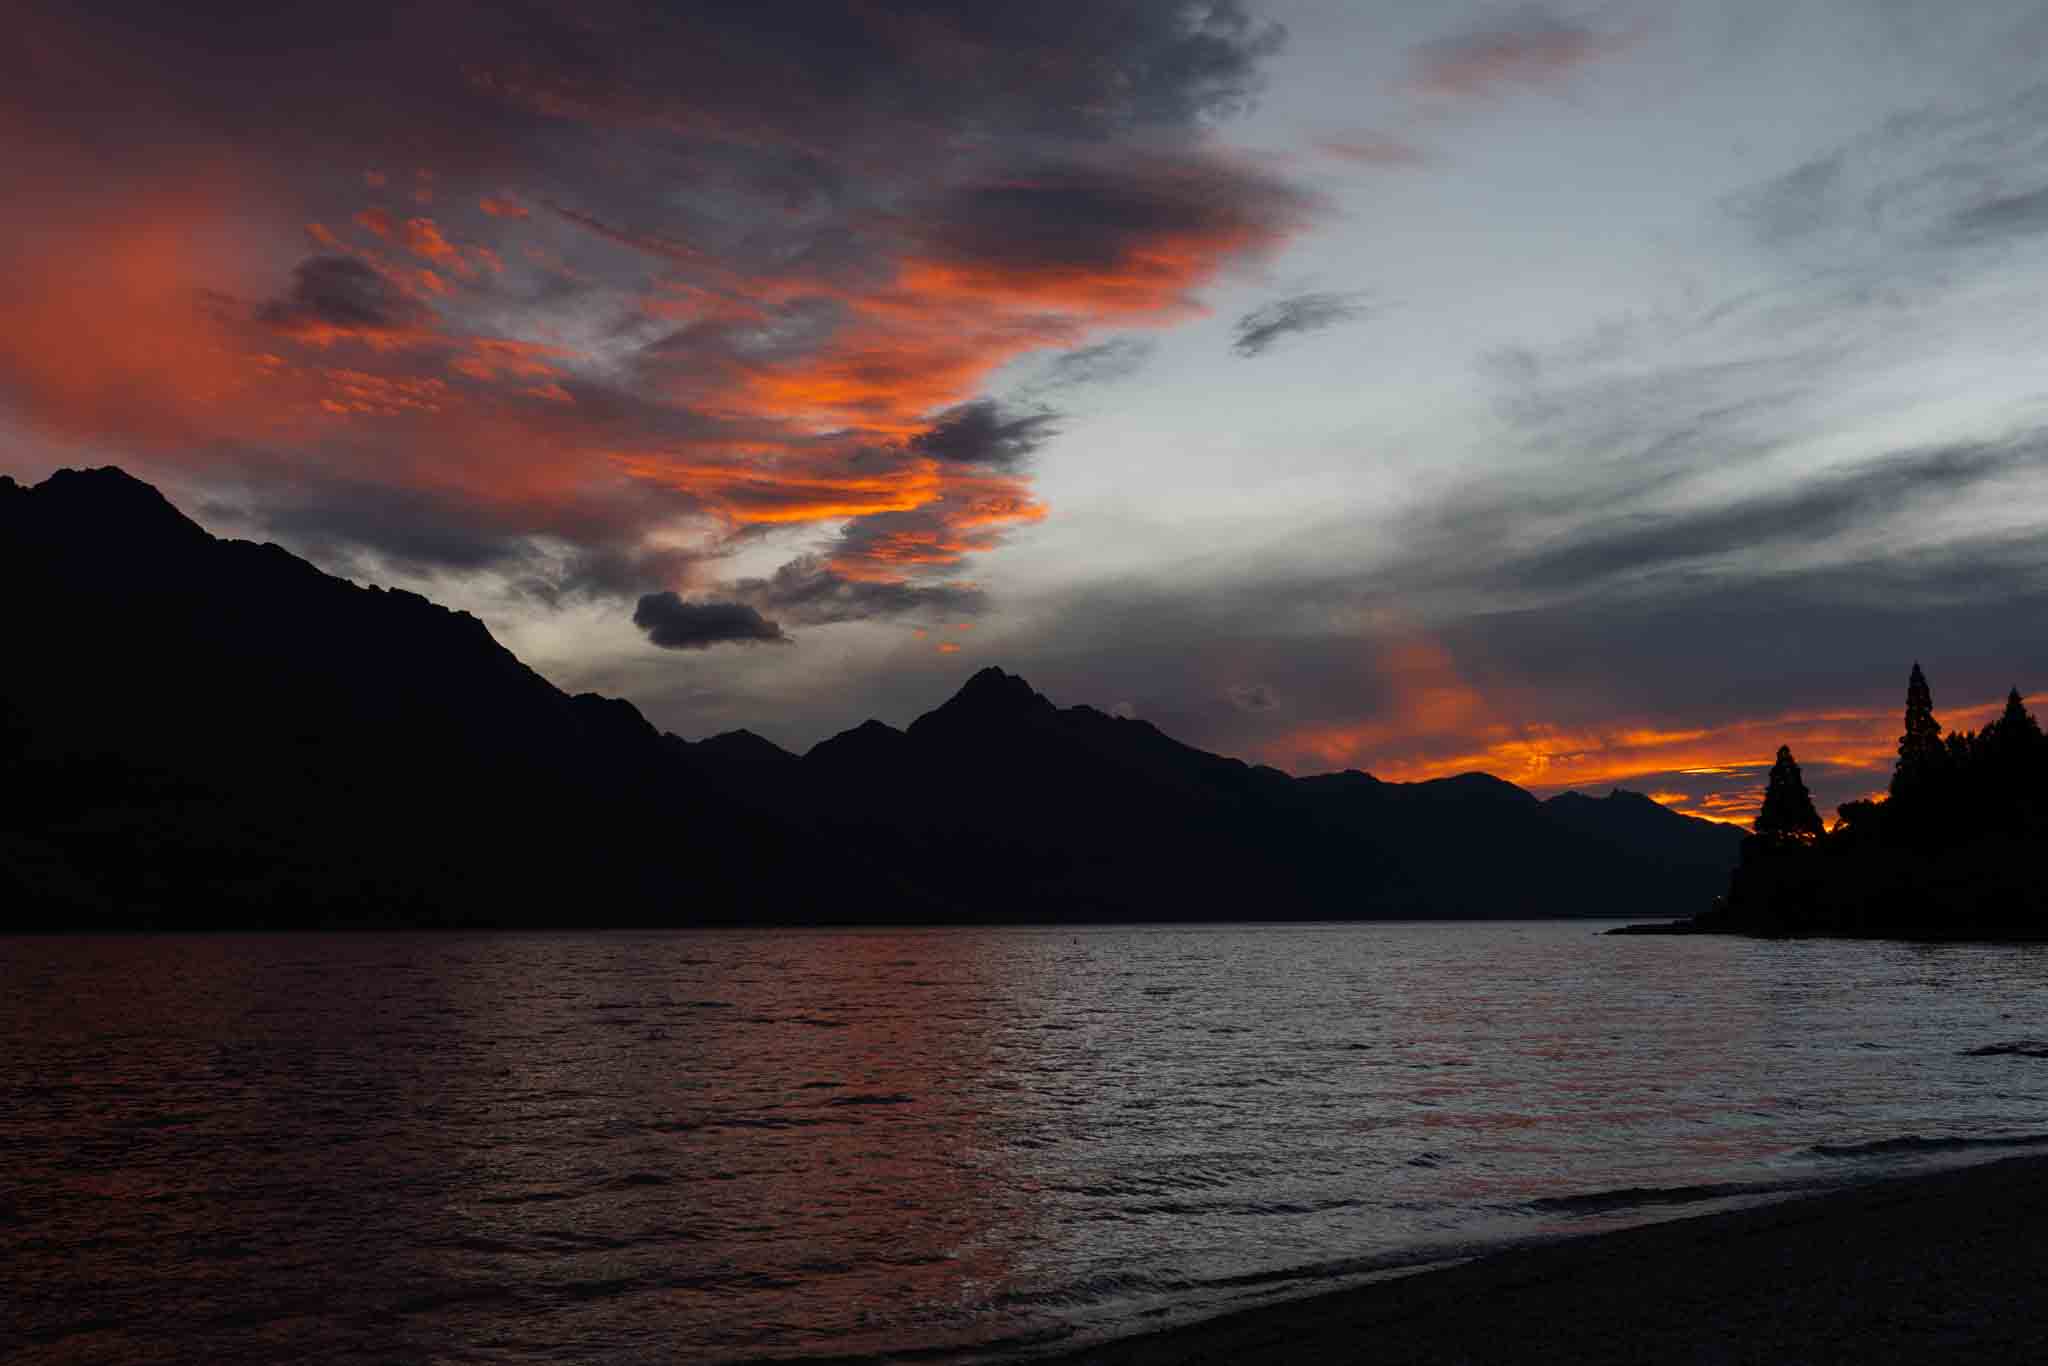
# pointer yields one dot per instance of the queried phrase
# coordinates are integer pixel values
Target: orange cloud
(1371, 149)
(358, 392)
(1529, 49)
(779, 491)
(490, 358)
(110, 331)
(424, 237)
(770, 363)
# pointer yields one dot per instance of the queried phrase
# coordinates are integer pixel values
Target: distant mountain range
(206, 733)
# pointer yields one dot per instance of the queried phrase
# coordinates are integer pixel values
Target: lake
(766, 1145)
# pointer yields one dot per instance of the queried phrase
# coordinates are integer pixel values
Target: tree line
(1952, 848)
(1945, 788)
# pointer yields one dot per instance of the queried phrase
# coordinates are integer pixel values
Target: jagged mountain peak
(112, 499)
(990, 697)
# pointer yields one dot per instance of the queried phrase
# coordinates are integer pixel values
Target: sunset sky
(1591, 394)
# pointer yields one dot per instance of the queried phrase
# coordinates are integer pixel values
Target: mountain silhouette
(198, 732)
(1039, 808)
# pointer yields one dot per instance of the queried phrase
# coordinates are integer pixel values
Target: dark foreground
(1944, 1267)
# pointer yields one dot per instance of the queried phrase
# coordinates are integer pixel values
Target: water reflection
(723, 1146)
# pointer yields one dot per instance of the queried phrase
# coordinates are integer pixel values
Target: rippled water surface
(732, 1146)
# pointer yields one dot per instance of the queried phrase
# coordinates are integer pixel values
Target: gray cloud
(339, 294)
(1104, 363)
(1251, 697)
(1738, 536)
(1942, 178)
(1793, 205)
(1298, 314)
(2020, 215)
(982, 433)
(810, 592)
(552, 552)
(343, 524)
(675, 624)
(1084, 213)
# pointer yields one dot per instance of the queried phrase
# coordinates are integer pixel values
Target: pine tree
(2016, 732)
(1920, 749)
(2010, 752)
(1787, 813)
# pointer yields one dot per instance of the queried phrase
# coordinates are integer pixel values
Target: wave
(1255, 1208)
(1640, 1197)
(1098, 1289)
(1915, 1143)
(2018, 1048)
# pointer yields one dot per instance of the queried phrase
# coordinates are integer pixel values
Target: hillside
(200, 732)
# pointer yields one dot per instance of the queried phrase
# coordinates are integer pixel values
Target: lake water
(756, 1145)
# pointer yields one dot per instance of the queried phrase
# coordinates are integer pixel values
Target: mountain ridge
(206, 732)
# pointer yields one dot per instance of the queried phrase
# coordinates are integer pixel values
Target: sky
(1595, 395)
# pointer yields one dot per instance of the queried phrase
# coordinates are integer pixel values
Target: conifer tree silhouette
(1788, 813)
(2016, 731)
(1921, 752)
(2008, 773)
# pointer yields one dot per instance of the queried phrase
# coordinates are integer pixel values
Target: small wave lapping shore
(1941, 1267)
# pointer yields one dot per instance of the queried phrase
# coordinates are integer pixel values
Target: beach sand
(1950, 1266)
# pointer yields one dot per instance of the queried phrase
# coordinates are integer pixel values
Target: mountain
(199, 732)
(1045, 811)
(206, 732)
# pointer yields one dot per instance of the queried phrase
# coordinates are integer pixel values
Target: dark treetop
(197, 732)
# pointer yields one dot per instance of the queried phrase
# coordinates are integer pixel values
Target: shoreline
(1689, 928)
(1941, 1265)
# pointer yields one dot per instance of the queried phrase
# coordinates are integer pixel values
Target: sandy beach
(1939, 1267)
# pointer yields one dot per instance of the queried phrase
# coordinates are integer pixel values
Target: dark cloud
(982, 433)
(553, 552)
(675, 624)
(2020, 215)
(1259, 329)
(1062, 70)
(340, 296)
(776, 73)
(810, 592)
(1760, 530)
(412, 533)
(1786, 639)
(1081, 218)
